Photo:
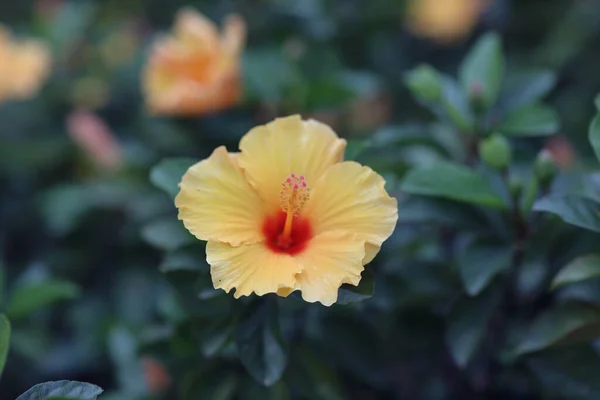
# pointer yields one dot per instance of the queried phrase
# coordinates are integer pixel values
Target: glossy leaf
(167, 174)
(4, 340)
(27, 299)
(527, 88)
(582, 268)
(594, 135)
(483, 68)
(259, 342)
(467, 324)
(481, 262)
(558, 323)
(569, 373)
(351, 294)
(167, 234)
(533, 120)
(573, 209)
(456, 105)
(69, 389)
(451, 181)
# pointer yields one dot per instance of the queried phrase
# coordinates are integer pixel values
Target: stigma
(294, 194)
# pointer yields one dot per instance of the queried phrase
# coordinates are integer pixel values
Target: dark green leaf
(355, 148)
(451, 181)
(468, 323)
(481, 262)
(69, 389)
(582, 268)
(216, 337)
(27, 299)
(167, 234)
(597, 103)
(4, 340)
(587, 291)
(421, 209)
(533, 120)
(563, 323)
(594, 135)
(351, 294)
(483, 68)
(527, 88)
(183, 260)
(259, 342)
(573, 209)
(313, 377)
(456, 105)
(570, 373)
(167, 174)
(270, 62)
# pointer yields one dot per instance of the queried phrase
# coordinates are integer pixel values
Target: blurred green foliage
(489, 287)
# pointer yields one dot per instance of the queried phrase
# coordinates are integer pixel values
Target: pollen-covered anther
(294, 194)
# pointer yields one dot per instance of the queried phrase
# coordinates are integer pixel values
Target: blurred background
(83, 231)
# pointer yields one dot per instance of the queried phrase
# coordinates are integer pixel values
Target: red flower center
(300, 234)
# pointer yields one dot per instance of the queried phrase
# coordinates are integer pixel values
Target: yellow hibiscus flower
(195, 70)
(286, 213)
(24, 65)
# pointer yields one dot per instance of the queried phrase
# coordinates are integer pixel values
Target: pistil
(294, 194)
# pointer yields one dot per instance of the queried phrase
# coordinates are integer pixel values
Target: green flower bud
(495, 151)
(544, 167)
(425, 83)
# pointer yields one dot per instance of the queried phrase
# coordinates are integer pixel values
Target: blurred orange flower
(157, 377)
(195, 70)
(287, 213)
(444, 20)
(24, 65)
(562, 151)
(95, 138)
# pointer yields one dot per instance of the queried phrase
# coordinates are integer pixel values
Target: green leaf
(483, 68)
(456, 105)
(532, 120)
(468, 323)
(594, 135)
(569, 373)
(27, 299)
(481, 262)
(167, 174)
(4, 340)
(351, 294)
(451, 181)
(167, 234)
(527, 88)
(582, 268)
(355, 148)
(573, 209)
(425, 83)
(565, 322)
(216, 337)
(67, 389)
(259, 342)
(597, 103)
(313, 376)
(183, 260)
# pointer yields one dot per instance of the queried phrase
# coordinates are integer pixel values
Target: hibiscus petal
(250, 268)
(330, 259)
(269, 153)
(216, 202)
(352, 198)
(193, 28)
